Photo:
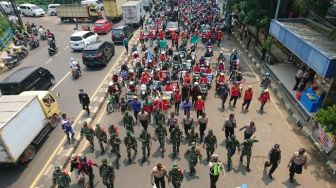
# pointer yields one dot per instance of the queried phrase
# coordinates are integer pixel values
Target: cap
(199, 97)
(277, 146)
(174, 165)
(250, 87)
(135, 97)
(222, 73)
(266, 90)
(73, 156)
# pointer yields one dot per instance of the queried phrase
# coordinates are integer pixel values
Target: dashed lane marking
(59, 53)
(48, 61)
(61, 80)
(60, 150)
(66, 47)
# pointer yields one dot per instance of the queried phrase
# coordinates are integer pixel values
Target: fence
(5, 39)
(325, 140)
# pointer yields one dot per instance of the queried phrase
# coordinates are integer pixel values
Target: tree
(327, 119)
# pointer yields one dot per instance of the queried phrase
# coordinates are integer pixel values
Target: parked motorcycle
(20, 52)
(10, 61)
(33, 43)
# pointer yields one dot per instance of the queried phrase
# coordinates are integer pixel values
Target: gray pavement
(273, 126)
(24, 175)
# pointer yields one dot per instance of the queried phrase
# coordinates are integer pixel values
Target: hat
(214, 155)
(135, 97)
(73, 156)
(199, 97)
(110, 83)
(266, 90)
(222, 73)
(250, 87)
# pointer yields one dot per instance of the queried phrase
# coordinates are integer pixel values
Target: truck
(145, 4)
(25, 120)
(112, 9)
(69, 12)
(133, 11)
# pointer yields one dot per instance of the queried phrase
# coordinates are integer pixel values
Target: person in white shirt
(157, 176)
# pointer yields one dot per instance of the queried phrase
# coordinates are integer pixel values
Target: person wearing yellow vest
(216, 168)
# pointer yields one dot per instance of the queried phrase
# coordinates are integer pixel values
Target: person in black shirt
(274, 159)
(84, 99)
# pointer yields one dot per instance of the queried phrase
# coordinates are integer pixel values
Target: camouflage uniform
(130, 143)
(62, 179)
(193, 136)
(101, 136)
(115, 147)
(89, 135)
(231, 144)
(145, 138)
(159, 117)
(161, 133)
(175, 175)
(176, 138)
(128, 122)
(192, 155)
(210, 141)
(112, 130)
(106, 172)
(247, 151)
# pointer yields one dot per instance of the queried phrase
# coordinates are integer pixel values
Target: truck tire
(30, 152)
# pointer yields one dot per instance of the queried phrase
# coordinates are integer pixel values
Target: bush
(327, 119)
(4, 25)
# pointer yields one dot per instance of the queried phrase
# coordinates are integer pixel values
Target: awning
(310, 45)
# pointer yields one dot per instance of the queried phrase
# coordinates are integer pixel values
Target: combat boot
(129, 161)
(143, 159)
(248, 167)
(229, 166)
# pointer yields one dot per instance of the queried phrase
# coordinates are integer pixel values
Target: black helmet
(302, 151)
(276, 146)
(82, 158)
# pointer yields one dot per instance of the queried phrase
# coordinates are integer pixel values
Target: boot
(143, 159)
(248, 168)
(129, 161)
(291, 180)
(229, 166)
(270, 176)
(191, 172)
(117, 165)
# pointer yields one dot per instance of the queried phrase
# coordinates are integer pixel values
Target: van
(27, 79)
(31, 10)
(96, 3)
(52, 9)
(7, 7)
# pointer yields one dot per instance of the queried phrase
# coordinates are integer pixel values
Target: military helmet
(57, 168)
(126, 113)
(85, 124)
(175, 165)
(233, 136)
(193, 144)
(128, 133)
(277, 146)
(104, 161)
(97, 125)
(144, 131)
(210, 131)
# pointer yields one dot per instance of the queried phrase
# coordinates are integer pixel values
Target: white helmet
(131, 83)
(71, 59)
(196, 83)
(110, 83)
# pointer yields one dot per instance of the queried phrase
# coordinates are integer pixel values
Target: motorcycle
(20, 51)
(123, 75)
(52, 51)
(75, 73)
(204, 90)
(33, 43)
(10, 61)
(112, 104)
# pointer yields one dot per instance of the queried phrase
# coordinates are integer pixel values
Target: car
(31, 10)
(27, 79)
(171, 27)
(98, 53)
(80, 39)
(102, 26)
(52, 9)
(120, 32)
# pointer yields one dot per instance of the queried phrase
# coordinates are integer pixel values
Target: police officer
(298, 160)
(274, 156)
(106, 172)
(247, 151)
(229, 126)
(193, 154)
(175, 176)
(115, 142)
(130, 143)
(216, 168)
(89, 135)
(210, 143)
(231, 146)
(145, 138)
(172, 121)
(161, 133)
(203, 122)
(128, 122)
(176, 138)
(101, 136)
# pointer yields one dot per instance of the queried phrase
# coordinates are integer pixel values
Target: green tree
(327, 119)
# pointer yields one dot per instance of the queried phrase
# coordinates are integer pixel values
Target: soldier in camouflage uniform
(106, 172)
(112, 130)
(176, 137)
(101, 136)
(161, 133)
(231, 144)
(115, 147)
(62, 179)
(193, 136)
(192, 154)
(175, 175)
(130, 143)
(210, 143)
(89, 135)
(128, 122)
(145, 138)
(159, 117)
(247, 151)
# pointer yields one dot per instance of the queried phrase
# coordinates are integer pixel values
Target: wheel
(53, 14)
(23, 14)
(34, 14)
(30, 152)
(109, 107)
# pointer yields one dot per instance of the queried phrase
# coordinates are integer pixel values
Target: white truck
(132, 12)
(25, 120)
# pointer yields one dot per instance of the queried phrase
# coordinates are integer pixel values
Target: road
(273, 126)
(24, 175)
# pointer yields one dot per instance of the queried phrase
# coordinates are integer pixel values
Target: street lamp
(277, 10)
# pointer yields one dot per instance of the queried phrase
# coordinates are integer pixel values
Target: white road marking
(69, 151)
(61, 80)
(66, 47)
(276, 107)
(60, 150)
(47, 172)
(58, 54)
(48, 61)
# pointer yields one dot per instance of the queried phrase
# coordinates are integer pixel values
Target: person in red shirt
(168, 87)
(163, 56)
(264, 98)
(144, 78)
(199, 106)
(177, 100)
(220, 79)
(197, 68)
(219, 37)
(234, 94)
(208, 70)
(221, 66)
(173, 35)
(208, 35)
(175, 40)
(161, 34)
(164, 105)
(142, 37)
(187, 79)
(247, 98)
(151, 36)
(204, 79)
(163, 74)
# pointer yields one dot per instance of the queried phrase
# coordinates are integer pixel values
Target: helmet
(175, 165)
(82, 158)
(126, 113)
(135, 97)
(234, 50)
(196, 83)
(131, 71)
(104, 161)
(277, 146)
(267, 75)
(222, 73)
(71, 59)
(302, 151)
(73, 156)
(193, 144)
(150, 60)
(97, 125)
(221, 52)
(128, 133)
(131, 83)
(143, 131)
(214, 156)
(85, 124)
(210, 131)
(199, 97)
(143, 73)
(110, 83)
(250, 87)
(57, 168)
(233, 136)
(266, 90)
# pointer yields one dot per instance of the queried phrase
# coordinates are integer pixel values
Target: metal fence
(326, 140)
(5, 39)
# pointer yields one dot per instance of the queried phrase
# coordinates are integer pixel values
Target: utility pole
(16, 13)
(277, 10)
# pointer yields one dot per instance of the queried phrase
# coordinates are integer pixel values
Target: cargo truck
(25, 120)
(133, 11)
(112, 9)
(79, 12)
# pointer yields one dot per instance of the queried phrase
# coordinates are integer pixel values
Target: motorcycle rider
(220, 66)
(221, 56)
(204, 79)
(197, 68)
(132, 87)
(42, 32)
(168, 87)
(220, 79)
(124, 67)
(51, 41)
(144, 78)
(75, 66)
(187, 79)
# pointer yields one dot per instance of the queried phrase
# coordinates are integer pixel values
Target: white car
(31, 10)
(52, 9)
(80, 39)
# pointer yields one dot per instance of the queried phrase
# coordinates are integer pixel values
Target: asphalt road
(66, 87)
(273, 126)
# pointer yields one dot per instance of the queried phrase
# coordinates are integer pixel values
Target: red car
(102, 26)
